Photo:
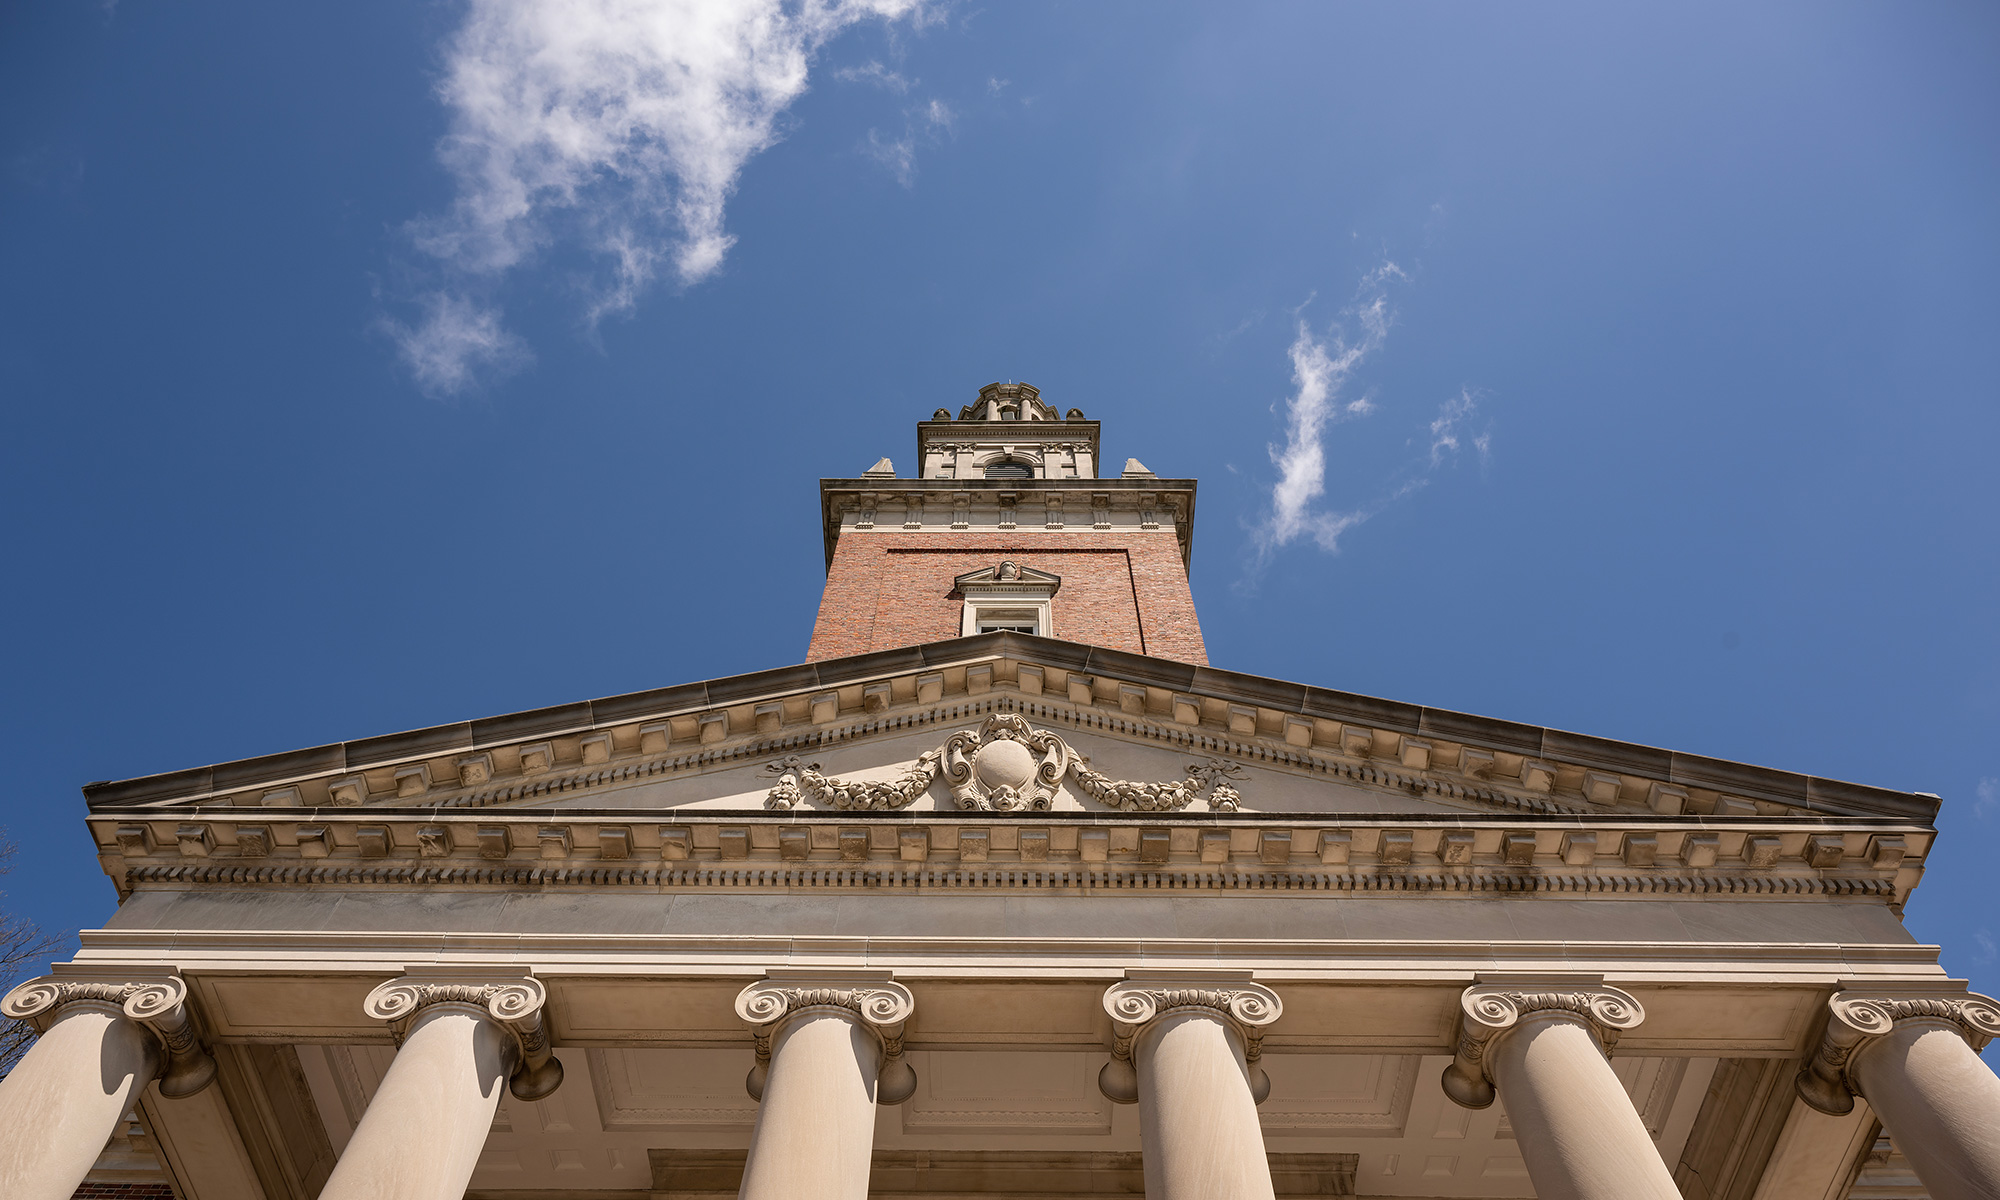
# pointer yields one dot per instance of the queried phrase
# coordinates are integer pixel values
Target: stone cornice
(1175, 496)
(1490, 1010)
(1857, 1018)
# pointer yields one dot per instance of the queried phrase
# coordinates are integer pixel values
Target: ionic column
(1915, 1059)
(1543, 1045)
(104, 1037)
(829, 1049)
(462, 1035)
(1186, 1052)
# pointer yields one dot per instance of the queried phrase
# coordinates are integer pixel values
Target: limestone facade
(1002, 914)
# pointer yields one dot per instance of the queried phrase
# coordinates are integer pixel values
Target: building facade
(1004, 890)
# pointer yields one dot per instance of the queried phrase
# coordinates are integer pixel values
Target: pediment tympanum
(1004, 766)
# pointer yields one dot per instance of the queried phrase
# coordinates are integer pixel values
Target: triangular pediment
(1150, 726)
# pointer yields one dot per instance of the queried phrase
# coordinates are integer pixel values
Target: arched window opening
(1009, 469)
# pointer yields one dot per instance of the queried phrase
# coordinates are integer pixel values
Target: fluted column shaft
(828, 1051)
(1184, 1054)
(1915, 1059)
(102, 1041)
(462, 1042)
(1540, 1044)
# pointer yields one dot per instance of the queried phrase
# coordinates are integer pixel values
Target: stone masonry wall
(1123, 590)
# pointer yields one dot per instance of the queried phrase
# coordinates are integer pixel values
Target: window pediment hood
(1007, 578)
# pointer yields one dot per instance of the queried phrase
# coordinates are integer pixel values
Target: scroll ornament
(881, 1007)
(1855, 1021)
(158, 1004)
(1489, 1010)
(516, 1005)
(1134, 1004)
(1006, 766)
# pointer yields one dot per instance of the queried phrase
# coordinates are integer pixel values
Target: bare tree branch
(23, 949)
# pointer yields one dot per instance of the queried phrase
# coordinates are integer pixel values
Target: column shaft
(1939, 1102)
(815, 1133)
(1197, 1119)
(423, 1131)
(1577, 1129)
(65, 1098)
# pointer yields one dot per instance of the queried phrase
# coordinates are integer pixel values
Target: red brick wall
(1123, 590)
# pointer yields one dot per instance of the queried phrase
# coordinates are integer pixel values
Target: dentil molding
(158, 1003)
(1488, 1010)
(875, 1002)
(1857, 1019)
(512, 1000)
(1132, 1005)
(1007, 765)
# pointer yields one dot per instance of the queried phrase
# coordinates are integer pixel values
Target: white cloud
(621, 124)
(1323, 368)
(1448, 426)
(457, 341)
(875, 73)
(1320, 370)
(1987, 797)
(923, 125)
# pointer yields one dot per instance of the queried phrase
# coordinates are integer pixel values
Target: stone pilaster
(829, 1049)
(1541, 1044)
(104, 1037)
(461, 1035)
(1185, 1049)
(1915, 1059)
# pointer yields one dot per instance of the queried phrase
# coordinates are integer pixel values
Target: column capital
(510, 997)
(157, 1001)
(871, 999)
(1143, 996)
(1858, 1017)
(1498, 1004)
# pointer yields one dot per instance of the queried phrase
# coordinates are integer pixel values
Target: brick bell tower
(1008, 526)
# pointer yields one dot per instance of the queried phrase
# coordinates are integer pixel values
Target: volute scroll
(159, 1003)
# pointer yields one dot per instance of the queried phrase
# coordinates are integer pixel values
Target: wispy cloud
(875, 73)
(923, 125)
(619, 125)
(1323, 370)
(1986, 797)
(1321, 366)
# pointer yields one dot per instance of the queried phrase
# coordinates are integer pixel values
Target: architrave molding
(1855, 1019)
(157, 1002)
(1145, 996)
(871, 999)
(1490, 1010)
(512, 999)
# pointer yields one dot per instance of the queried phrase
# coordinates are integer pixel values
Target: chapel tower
(1008, 526)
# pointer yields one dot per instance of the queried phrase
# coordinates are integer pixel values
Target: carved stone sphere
(1004, 764)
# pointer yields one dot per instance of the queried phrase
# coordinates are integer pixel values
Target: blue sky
(1624, 370)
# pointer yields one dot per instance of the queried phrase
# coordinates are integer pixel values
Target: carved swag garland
(1006, 766)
